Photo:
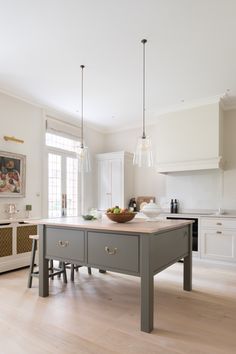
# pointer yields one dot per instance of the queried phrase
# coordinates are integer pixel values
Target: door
(104, 184)
(116, 183)
(62, 185)
(110, 183)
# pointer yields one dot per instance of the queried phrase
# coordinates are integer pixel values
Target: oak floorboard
(100, 314)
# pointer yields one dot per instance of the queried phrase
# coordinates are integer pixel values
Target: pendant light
(83, 153)
(143, 154)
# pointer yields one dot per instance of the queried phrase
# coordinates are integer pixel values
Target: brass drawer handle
(110, 251)
(219, 223)
(218, 232)
(63, 243)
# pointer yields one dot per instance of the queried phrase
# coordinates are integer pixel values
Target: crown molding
(228, 102)
(171, 109)
(110, 130)
(53, 111)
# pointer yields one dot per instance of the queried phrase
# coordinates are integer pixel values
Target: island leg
(147, 289)
(188, 264)
(43, 264)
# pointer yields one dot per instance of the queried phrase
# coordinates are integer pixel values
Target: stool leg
(89, 270)
(72, 270)
(33, 252)
(60, 266)
(64, 272)
(51, 267)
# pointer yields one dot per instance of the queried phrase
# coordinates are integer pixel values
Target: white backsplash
(195, 190)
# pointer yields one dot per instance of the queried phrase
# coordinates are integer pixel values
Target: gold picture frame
(12, 174)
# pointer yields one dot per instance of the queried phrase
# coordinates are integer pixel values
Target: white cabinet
(15, 245)
(218, 239)
(114, 179)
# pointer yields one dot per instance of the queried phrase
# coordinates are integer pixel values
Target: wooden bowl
(123, 217)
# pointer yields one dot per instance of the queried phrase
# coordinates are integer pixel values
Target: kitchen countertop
(16, 220)
(134, 226)
(199, 214)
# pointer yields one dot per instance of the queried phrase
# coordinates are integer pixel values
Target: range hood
(191, 165)
(190, 140)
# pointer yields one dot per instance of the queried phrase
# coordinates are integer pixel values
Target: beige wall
(26, 121)
(229, 191)
(195, 189)
(23, 121)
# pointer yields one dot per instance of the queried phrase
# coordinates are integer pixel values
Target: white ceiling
(191, 54)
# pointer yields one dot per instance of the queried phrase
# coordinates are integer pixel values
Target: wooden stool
(73, 268)
(52, 270)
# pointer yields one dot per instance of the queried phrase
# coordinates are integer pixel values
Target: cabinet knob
(61, 243)
(111, 252)
(218, 232)
(219, 223)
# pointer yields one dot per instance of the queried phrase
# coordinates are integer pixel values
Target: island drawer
(114, 251)
(65, 244)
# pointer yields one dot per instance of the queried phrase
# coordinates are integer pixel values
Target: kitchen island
(136, 248)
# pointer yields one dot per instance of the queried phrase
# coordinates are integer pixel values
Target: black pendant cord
(144, 41)
(82, 106)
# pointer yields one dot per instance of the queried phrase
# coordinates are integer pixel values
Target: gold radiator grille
(5, 241)
(24, 244)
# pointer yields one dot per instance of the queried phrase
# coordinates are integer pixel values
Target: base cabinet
(218, 240)
(15, 245)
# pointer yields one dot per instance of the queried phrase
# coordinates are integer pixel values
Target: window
(63, 176)
(60, 142)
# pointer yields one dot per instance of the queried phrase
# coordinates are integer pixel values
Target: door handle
(61, 243)
(111, 252)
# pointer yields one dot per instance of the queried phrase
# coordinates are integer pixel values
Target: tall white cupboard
(114, 179)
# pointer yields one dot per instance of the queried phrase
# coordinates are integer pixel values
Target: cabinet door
(104, 184)
(23, 242)
(117, 183)
(6, 241)
(219, 245)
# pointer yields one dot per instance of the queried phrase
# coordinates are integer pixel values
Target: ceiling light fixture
(83, 153)
(143, 155)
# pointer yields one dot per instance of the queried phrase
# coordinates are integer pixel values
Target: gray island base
(136, 248)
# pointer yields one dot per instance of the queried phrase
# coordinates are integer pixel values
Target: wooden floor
(99, 314)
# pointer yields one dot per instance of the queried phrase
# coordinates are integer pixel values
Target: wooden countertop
(134, 226)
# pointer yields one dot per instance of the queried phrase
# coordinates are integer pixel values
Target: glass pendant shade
(143, 154)
(83, 152)
(83, 159)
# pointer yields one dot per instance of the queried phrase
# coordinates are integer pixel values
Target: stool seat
(34, 237)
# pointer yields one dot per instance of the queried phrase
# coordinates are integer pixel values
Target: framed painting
(12, 174)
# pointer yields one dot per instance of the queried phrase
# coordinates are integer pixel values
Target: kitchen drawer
(114, 251)
(65, 244)
(218, 223)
